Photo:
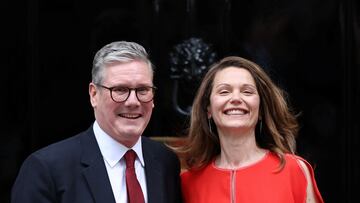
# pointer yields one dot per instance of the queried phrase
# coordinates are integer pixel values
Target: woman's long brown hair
(279, 127)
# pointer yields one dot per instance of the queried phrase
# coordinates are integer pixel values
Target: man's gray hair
(120, 51)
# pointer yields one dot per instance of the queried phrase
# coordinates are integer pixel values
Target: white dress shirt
(113, 152)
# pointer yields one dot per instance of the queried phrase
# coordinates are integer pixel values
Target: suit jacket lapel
(153, 171)
(94, 169)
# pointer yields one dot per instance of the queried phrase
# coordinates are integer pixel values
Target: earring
(210, 129)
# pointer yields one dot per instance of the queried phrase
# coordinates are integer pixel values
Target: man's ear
(92, 93)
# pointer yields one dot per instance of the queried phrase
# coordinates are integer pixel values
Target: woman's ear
(208, 112)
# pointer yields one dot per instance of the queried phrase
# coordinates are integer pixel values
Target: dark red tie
(134, 191)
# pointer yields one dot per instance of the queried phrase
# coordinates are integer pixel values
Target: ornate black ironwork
(189, 61)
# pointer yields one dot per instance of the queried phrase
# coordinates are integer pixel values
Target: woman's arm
(310, 194)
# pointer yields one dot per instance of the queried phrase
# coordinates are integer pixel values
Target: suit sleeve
(176, 175)
(34, 183)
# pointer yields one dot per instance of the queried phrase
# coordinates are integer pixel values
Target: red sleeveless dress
(257, 183)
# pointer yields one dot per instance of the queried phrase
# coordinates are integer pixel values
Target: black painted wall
(310, 48)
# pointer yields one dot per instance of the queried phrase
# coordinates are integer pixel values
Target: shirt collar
(112, 150)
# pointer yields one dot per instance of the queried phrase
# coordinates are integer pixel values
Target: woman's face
(234, 101)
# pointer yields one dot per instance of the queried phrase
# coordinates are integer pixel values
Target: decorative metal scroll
(189, 61)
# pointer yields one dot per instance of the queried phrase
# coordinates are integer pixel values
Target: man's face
(127, 120)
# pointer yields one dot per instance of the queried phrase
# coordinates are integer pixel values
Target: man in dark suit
(91, 166)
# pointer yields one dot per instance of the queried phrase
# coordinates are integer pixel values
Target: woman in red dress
(241, 143)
